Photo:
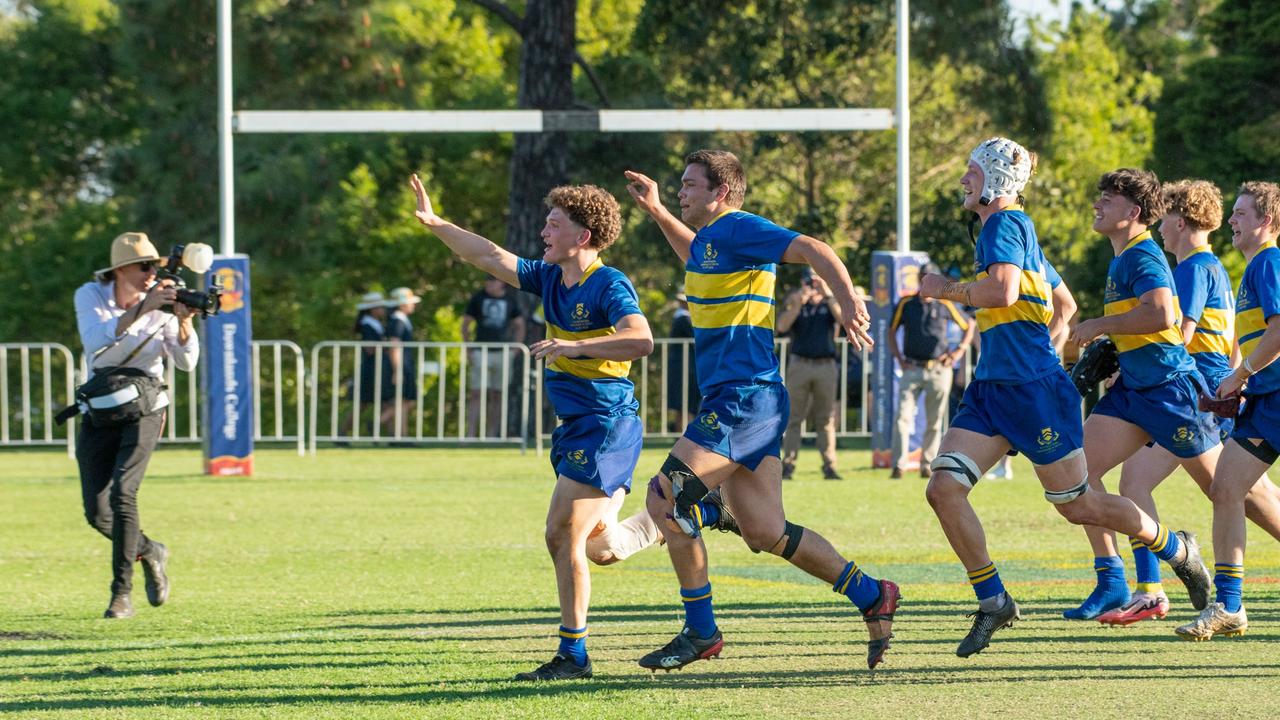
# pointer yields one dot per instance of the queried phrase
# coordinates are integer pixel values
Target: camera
(198, 258)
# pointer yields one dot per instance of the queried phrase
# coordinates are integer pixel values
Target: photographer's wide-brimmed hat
(129, 248)
(371, 300)
(402, 296)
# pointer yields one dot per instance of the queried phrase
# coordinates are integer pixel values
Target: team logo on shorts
(577, 457)
(1184, 435)
(1049, 439)
(709, 423)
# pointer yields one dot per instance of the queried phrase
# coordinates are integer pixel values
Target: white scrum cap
(1006, 168)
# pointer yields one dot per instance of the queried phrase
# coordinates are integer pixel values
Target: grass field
(414, 583)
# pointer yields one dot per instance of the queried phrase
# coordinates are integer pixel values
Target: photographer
(124, 328)
(810, 316)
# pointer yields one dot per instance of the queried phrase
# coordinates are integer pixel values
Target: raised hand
(644, 190)
(425, 213)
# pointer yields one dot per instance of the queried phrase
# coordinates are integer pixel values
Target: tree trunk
(541, 161)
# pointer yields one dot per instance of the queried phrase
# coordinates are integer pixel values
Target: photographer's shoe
(153, 568)
(121, 607)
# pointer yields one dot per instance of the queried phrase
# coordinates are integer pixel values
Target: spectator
(491, 316)
(371, 313)
(810, 315)
(682, 399)
(926, 364)
(403, 361)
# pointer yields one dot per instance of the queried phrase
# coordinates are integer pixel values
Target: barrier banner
(227, 358)
(893, 275)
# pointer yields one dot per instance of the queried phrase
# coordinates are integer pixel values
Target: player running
(1020, 397)
(733, 443)
(1255, 440)
(1203, 290)
(595, 329)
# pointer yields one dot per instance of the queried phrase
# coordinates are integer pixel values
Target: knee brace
(686, 486)
(792, 533)
(959, 466)
(1062, 497)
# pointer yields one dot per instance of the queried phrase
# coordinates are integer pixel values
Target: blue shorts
(598, 450)
(743, 423)
(1259, 418)
(1169, 413)
(1040, 418)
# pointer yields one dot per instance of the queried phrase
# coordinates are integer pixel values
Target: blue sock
(1145, 563)
(698, 613)
(710, 514)
(986, 582)
(1166, 545)
(573, 644)
(1111, 592)
(858, 586)
(1229, 582)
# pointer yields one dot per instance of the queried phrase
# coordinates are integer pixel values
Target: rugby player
(595, 329)
(731, 258)
(1020, 398)
(1255, 439)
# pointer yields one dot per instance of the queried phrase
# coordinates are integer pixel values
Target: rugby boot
(1192, 572)
(153, 569)
(1143, 606)
(684, 648)
(1214, 620)
(1106, 596)
(559, 668)
(985, 624)
(726, 523)
(121, 607)
(879, 619)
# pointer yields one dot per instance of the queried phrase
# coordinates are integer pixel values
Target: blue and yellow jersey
(1204, 295)
(1015, 339)
(590, 308)
(1147, 359)
(1257, 302)
(729, 280)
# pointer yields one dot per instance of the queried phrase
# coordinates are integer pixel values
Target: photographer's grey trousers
(112, 462)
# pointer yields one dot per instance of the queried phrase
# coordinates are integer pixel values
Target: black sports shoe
(985, 624)
(121, 607)
(153, 569)
(726, 523)
(880, 617)
(829, 473)
(1192, 572)
(684, 648)
(559, 668)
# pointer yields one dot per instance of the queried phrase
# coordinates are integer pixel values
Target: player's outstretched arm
(644, 191)
(854, 317)
(631, 340)
(1156, 310)
(474, 249)
(998, 289)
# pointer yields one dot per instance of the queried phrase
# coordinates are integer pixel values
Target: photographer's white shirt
(156, 331)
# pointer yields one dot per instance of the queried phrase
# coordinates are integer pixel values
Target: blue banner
(228, 379)
(893, 275)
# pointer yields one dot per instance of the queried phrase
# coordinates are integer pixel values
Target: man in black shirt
(810, 316)
(926, 364)
(491, 316)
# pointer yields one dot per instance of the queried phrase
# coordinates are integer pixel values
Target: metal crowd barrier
(33, 387)
(355, 387)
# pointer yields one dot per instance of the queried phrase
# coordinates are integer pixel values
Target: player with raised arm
(595, 329)
(730, 258)
(1020, 397)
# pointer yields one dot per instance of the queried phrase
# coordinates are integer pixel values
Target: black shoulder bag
(118, 395)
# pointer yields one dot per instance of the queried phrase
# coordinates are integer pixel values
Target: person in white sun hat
(401, 304)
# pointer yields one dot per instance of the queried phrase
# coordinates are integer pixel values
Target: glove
(1098, 362)
(1227, 407)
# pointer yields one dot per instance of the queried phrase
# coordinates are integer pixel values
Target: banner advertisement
(227, 359)
(893, 276)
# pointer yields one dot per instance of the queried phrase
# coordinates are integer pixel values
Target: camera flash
(198, 257)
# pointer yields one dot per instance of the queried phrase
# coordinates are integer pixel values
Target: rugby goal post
(534, 121)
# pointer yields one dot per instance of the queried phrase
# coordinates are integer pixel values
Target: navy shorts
(598, 450)
(743, 423)
(1040, 418)
(1259, 418)
(1169, 413)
